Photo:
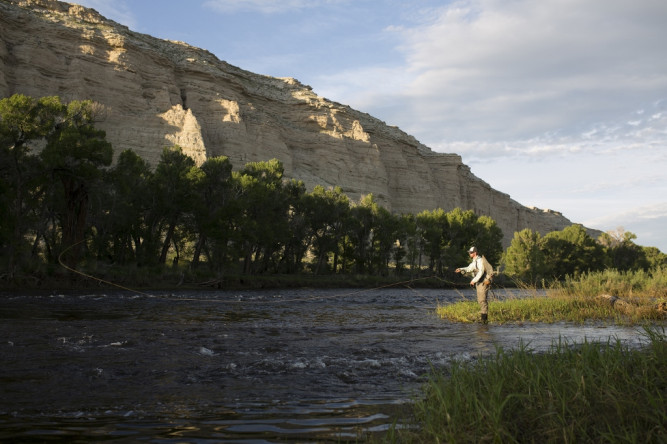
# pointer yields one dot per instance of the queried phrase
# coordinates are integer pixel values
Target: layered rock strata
(158, 93)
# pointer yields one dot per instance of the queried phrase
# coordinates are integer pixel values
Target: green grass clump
(541, 309)
(589, 392)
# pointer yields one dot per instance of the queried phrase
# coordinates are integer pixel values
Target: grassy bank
(572, 393)
(619, 297)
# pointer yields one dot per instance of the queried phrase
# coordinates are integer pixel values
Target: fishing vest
(488, 270)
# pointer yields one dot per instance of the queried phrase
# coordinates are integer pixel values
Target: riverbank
(586, 392)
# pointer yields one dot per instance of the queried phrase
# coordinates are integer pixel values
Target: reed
(590, 392)
(630, 284)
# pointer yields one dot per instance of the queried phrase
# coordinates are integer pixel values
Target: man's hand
(472, 284)
(458, 270)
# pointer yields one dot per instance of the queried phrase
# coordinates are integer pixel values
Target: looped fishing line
(60, 256)
(274, 301)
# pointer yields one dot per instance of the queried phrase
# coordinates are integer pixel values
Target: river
(307, 365)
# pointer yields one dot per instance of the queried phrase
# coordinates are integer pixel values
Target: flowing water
(246, 366)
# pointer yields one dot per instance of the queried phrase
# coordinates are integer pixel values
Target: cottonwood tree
(572, 252)
(488, 239)
(465, 229)
(384, 238)
(24, 121)
(263, 214)
(524, 259)
(173, 187)
(655, 259)
(360, 226)
(327, 210)
(213, 208)
(460, 234)
(75, 154)
(129, 198)
(408, 245)
(299, 239)
(623, 254)
(431, 225)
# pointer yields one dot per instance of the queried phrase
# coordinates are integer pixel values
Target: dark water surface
(252, 366)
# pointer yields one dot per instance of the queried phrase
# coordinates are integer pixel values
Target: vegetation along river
(245, 366)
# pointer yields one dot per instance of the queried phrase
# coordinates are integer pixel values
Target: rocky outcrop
(158, 93)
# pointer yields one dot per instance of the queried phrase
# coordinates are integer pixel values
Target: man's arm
(469, 269)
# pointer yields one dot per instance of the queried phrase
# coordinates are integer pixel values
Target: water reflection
(483, 337)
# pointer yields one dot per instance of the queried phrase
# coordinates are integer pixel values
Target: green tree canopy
(572, 251)
(524, 259)
(23, 122)
(174, 188)
(214, 208)
(130, 197)
(75, 155)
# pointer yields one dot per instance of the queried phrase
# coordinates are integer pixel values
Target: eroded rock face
(159, 93)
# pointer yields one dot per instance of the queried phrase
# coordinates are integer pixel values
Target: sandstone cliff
(158, 93)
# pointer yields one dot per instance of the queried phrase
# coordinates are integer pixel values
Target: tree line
(533, 258)
(62, 198)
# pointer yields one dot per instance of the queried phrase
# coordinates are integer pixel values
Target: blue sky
(561, 104)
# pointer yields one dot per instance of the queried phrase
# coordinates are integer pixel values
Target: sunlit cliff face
(159, 93)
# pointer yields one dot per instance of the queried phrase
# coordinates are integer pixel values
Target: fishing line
(93, 277)
(274, 301)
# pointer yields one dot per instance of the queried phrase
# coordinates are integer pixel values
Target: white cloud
(648, 212)
(486, 70)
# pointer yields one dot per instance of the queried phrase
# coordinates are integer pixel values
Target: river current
(307, 365)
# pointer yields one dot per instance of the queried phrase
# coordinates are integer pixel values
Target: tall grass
(589, 392)
(628, 284)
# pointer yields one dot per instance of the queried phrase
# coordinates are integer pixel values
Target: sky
(562, 104)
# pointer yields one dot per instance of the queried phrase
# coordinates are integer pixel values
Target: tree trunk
(197, 252)
(167, 242)
(74, 223)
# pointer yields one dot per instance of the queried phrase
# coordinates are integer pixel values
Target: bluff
(158, 93)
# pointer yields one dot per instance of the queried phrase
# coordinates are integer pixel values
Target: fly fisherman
(482, 281)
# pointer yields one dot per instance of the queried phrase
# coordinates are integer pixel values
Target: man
(482, 281)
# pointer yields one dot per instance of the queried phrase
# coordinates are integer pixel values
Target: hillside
(158, 93)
